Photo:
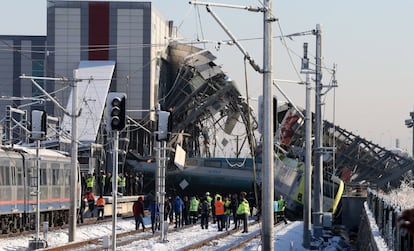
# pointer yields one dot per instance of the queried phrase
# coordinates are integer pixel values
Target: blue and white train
(18, 188)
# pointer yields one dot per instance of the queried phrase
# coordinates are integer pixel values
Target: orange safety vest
(89, 196)
(219, 207)
(100, 202)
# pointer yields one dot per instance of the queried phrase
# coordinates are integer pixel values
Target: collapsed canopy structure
(200, 97)
(203, 100)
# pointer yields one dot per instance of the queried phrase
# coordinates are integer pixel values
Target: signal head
(116, 109)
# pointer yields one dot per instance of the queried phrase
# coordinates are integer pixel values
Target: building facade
(20, 55)
(130, 33)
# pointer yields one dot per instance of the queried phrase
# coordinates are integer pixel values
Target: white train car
(18, 186)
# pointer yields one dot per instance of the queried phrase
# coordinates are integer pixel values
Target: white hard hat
(207, 193)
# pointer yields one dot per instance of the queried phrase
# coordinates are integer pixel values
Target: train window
(4, 163)
(43, 174)
(12, 175)
(67, 176)
(55, 176)
(4, 176)
(19, 176)
(1, 176)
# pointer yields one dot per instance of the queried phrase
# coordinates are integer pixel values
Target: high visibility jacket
(227, 209)
(209, 198)
(219, 206)
(244, 207)
(103, 179)
(281, 205)
(122, 181)
(194, 205)
(89, 181)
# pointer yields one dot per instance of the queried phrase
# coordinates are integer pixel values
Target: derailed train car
(18, 186)
(233, 175)
(203, 103)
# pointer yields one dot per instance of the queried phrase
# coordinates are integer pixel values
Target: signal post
(115, 122)
(161, 137)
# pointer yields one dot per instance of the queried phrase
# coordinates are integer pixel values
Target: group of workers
(89, 199)
(101, 183)
(189, 211)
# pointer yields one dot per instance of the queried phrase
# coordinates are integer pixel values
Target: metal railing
(385, 214)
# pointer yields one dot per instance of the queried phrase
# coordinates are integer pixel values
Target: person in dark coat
(81, 210)
(141, 182)
(167, 209)
(406, 220)
(108, 184)
(100, 180)
(155, 216)
(178, 205)
(129, 184)
(186, 211)
(138, 210)
(136, 184)
(204, 213)
(234, 204)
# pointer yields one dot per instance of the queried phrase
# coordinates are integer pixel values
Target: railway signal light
(163, 125)
(115, 111)
(38, 124)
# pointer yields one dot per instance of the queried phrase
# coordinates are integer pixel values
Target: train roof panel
(42, 151)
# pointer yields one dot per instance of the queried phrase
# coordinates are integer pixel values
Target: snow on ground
(285, 236)
(398, 198)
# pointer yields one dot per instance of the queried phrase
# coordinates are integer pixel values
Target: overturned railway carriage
(18, 186)
(232, 175)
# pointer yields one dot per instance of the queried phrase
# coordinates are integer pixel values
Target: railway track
(236, 242)
(87, 221)
(211, 239)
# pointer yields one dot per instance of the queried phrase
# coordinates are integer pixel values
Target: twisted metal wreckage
(203, 101)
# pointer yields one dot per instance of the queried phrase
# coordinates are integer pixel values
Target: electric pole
(318, 148)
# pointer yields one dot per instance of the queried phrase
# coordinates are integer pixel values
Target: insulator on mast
(305, 59)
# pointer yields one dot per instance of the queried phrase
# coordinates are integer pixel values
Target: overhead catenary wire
(126, 46)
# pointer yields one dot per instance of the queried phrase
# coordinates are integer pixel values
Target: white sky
(370, 41)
